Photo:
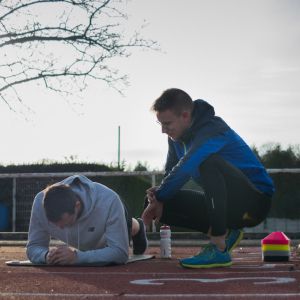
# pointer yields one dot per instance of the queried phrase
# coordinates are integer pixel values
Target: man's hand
(154, 210)
(62, 255)
(150, 194)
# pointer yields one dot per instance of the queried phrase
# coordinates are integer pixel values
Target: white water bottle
(165, 241)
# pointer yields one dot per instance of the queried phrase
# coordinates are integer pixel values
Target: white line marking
(60, 295)
(264, 296)
(268, 266)
(135, 296)
(262, 280)
(183, 273)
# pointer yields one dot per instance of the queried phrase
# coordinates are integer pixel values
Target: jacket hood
(203, 113)
(81, 185)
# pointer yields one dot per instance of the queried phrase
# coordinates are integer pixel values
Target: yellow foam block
(275, 247)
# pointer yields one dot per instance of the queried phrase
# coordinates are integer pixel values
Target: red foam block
(276, 238)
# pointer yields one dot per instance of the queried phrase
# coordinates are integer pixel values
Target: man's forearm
(37, 254)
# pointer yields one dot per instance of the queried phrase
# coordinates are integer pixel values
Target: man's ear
(186, 115)
(78, 205)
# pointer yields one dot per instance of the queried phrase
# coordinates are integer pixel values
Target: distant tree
(141, 166)
(255, 151)
(61, 44)
(276, 157)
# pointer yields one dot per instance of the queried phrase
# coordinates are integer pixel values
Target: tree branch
(65, 50)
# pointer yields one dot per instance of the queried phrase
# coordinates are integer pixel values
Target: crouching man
(89, 218)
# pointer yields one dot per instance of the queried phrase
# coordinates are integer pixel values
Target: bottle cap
(164, 227)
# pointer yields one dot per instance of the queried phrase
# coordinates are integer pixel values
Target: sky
(241, 56)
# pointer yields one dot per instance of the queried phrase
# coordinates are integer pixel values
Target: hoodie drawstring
(78, 236)
(67, 237)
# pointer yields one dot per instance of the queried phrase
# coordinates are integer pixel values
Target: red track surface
(248, 278)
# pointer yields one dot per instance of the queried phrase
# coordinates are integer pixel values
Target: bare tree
(62, 43)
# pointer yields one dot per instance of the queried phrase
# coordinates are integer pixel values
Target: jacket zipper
(184, 148)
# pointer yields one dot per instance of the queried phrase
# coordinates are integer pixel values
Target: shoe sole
(236, 242)
(207, 266)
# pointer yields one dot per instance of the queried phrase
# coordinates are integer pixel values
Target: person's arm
(117, 241)
(172, 158)
(38, 237)
(188, 166)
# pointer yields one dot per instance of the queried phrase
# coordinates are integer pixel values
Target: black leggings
(229, 201)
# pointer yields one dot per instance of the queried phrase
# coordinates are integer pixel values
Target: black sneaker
(139, 241)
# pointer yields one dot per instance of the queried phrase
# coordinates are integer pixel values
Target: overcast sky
(242, 56)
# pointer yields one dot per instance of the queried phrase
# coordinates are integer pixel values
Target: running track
(247, 278)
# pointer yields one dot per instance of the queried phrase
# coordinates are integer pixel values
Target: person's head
(62, 205)
(174, 112)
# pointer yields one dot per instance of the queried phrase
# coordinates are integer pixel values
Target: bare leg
(135, 227)
(219, 240)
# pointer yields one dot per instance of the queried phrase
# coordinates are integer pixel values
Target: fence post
(153, 177)
(14, 204)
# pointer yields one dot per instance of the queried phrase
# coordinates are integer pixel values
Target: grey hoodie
(100, 235)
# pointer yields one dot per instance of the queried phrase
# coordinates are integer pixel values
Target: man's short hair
(59, 199)
(173, 99)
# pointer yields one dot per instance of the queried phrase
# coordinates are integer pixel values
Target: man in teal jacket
(236, 189)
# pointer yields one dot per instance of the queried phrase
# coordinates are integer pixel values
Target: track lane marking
(141, 296)
(264, 280)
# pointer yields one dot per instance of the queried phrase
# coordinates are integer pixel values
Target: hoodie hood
(203, 115)
(82, 187)
(203, 112)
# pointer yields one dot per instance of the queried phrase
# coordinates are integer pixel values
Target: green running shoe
(210, 257)
(233, 238)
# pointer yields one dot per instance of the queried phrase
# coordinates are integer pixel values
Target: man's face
(68, 219)
(172, 124)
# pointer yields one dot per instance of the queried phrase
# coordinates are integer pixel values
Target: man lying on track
(89, 218)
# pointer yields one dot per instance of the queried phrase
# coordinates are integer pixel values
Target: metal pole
(153, 179)
(14, 204)
(119, 147)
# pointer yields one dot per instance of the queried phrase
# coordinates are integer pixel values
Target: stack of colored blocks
(276, 247)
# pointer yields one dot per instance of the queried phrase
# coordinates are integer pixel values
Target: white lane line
(142, 296)
(60, 295)
(221, 296)
(262, 271)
